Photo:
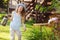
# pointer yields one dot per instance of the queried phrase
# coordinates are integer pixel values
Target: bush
(43, 9)
(30, 23)
(37, 34)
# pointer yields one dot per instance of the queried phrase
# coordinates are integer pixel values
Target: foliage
(1, 15)
(55, 4)
(30, 22)
(3, 3)
(45, 34)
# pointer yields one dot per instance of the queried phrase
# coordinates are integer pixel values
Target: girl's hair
(23, 11)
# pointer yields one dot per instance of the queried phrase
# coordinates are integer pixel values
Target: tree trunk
(7, 6)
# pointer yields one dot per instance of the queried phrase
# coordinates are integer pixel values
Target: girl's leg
(18, 34)
(12, 34)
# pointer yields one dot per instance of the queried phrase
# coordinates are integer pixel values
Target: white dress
(16, 22)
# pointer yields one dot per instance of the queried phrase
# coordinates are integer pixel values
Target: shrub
(30, 23)
(37, 34)
(55, 5)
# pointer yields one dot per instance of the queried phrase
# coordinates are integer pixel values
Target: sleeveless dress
(16, 21)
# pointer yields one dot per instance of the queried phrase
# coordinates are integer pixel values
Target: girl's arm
(10, 16)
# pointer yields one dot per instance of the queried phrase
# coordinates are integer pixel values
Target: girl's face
(20, 9)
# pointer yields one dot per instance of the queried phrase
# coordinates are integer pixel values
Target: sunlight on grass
(5, 33)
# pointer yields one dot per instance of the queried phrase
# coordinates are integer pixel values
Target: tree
(3, 3)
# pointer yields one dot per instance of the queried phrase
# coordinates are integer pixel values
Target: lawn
(5, 33)
(32, 33)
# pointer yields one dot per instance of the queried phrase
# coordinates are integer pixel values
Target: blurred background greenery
(32, 32)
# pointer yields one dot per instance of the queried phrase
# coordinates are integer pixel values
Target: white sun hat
(21, 4)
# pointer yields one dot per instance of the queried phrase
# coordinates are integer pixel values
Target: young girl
(17, 19)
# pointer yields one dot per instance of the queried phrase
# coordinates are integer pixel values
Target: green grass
(1, 15)
(5, 33)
